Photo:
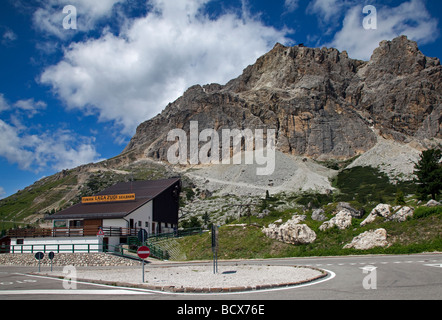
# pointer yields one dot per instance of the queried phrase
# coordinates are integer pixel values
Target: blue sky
(75, 84)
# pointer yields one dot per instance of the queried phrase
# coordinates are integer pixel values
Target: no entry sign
(143, 252)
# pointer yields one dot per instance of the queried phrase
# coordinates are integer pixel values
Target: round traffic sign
(39, 255)
(143, 252)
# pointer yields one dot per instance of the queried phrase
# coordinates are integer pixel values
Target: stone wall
(65, 259)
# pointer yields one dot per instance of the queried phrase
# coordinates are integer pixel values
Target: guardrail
(156, 251)
(57, 248)
(71, 232)
(176, 234)
(82, 248)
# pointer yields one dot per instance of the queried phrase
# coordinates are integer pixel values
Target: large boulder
(398, 214)
(381, 210)
(402, 214)
(342, 220)
(292, 231)
(433, 203)
(369, 239)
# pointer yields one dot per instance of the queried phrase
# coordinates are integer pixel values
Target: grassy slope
(32, 200)
(364, 188)
(249, 242)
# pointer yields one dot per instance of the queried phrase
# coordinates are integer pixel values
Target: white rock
(291, 232)
(342, 220)
(368, 240)
(402, 214)
(382, 210)
(318, 215)
(432, 203)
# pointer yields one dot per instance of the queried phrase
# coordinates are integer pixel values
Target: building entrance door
(91, 227)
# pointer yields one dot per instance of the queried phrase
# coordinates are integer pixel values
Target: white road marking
(331, 275)
(73, 292)
(112, 291)
(437, 265)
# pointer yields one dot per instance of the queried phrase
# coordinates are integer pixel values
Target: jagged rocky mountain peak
(322, 103)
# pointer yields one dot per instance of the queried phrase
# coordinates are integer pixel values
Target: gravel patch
(201, 278)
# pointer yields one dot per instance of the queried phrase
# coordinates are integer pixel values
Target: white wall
(62, 245)
(118, 223)
(143, 215)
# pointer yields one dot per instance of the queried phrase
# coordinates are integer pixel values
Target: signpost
(100, 233)
(39, 256)
(51, 257)
(143, 253)
(215, 248)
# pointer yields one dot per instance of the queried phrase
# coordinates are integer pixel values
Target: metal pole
(143, 269)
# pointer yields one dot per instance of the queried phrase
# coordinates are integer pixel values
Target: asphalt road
(402, 277)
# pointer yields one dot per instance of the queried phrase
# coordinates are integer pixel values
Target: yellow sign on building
(108, 198)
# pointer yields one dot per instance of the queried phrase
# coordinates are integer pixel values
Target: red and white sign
(143, 252)
(100, 233)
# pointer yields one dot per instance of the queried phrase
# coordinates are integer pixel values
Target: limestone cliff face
(322, 103)
(400, 91)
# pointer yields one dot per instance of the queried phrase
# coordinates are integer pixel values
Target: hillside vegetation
(249, 242)
(244, 240)
(362, 187)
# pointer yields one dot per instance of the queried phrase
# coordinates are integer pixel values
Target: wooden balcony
(72, 232)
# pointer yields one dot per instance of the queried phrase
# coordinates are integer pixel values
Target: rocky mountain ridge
(323, 104)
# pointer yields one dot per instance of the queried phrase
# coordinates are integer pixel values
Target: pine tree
(429, 174)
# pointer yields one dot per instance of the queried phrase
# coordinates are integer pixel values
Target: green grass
(363, 188)
(416, 235)
(25, 202)
(424, 212)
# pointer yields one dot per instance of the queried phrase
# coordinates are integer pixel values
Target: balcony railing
(72, 232)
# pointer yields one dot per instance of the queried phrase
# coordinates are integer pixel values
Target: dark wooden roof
(144, 191)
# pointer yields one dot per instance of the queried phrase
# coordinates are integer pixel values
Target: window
(20, 241)
(76, 223)
(146, 224)
(139, 224)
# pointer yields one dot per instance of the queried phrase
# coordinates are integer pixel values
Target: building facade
(106, 219)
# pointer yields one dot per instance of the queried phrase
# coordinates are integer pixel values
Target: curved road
(379, 277)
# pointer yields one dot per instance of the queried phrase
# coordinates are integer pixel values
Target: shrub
(423, 212)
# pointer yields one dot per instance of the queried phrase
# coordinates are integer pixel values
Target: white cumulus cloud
(4, 105)
(48, 17)
(327, 10)
(410, 18)
(130, 77)
(58, 150)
